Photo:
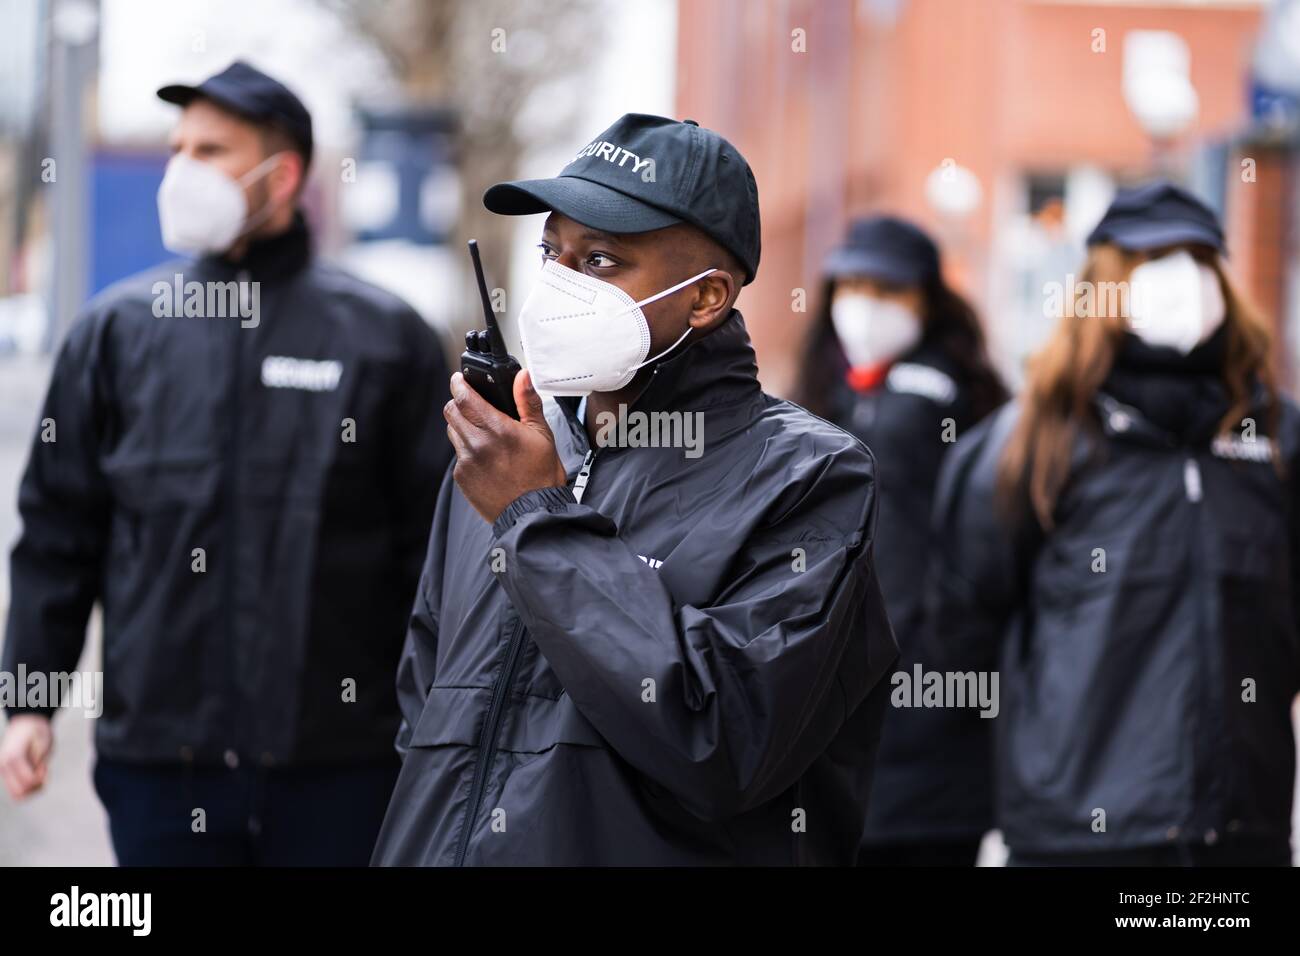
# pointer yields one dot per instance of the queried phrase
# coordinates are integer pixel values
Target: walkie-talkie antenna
(494, 332)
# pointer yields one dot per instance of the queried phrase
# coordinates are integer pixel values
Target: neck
(276, 225)
(598, 402)
(717, 369)
(269, 255)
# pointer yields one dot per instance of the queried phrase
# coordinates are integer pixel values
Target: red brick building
(848, 106)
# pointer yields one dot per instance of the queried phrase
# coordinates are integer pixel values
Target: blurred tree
(512, 71)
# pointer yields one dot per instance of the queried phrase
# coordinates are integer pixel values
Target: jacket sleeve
(746, 692)
(976, 578)
(418, 449)
(63, 500)
(417, 666)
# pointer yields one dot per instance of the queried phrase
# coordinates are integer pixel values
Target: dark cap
(253, 95)
(888, 249)
(648, 172)
(1157, 214)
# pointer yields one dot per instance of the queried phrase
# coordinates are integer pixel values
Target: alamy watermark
(133, 911)
(948, 689)
(235, 299)
(1082, 299)
(78, 690)
(637, 429)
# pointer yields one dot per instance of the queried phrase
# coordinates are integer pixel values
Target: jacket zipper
(584, 475)
(488, 739)
(1209, 690)
(500, 690)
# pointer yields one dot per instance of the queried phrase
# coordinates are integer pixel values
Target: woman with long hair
(896, 357)
(1120, 543)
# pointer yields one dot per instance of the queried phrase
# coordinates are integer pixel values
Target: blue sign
(125, 238)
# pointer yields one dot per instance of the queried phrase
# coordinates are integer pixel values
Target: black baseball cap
(648, 172)
(1158, 214)
(885, 248)
(255, 96)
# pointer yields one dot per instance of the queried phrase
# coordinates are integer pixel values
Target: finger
(19, 775)
(27, 768)
(456, 418)
(455, 425)
(477, 410)
(41, 746)
(469, 434)
(471, 443)
(457, 443)
(528, 403)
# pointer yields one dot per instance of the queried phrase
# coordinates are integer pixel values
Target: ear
(286, 176)
(712, 294)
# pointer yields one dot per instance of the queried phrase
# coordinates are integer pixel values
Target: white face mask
(873, 330)
(1175, 301)
(202, 210)
(581, 334)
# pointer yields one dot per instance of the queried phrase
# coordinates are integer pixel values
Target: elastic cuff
(553, 499)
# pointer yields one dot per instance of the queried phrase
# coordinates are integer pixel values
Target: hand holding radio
(504, 446)
(499, 459)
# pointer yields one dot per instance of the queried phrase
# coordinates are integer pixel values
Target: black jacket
(1148, 644)
(932, 779)
(675, 670)
(187, 433)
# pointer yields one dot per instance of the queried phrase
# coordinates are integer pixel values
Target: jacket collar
(1164, 396)
(275, 257)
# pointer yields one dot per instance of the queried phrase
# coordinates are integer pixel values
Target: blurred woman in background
(898, 359)
(1121, 541)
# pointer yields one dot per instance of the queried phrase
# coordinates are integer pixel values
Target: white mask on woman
(871, 330)
(1175, 301)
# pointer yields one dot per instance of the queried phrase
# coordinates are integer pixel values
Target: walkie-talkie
(486, 365)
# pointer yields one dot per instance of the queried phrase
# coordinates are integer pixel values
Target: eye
(598, 260)
(547, 252)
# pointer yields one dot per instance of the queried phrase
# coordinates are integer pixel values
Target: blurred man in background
(239, 458)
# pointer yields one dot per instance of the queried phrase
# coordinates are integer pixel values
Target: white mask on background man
(871, 330)
(1175, 301)
(202, 210)
(582, 334)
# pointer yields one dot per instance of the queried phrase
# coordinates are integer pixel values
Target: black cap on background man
(252, 94)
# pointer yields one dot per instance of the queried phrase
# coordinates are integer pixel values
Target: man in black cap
(648, 630)
(238, 458)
